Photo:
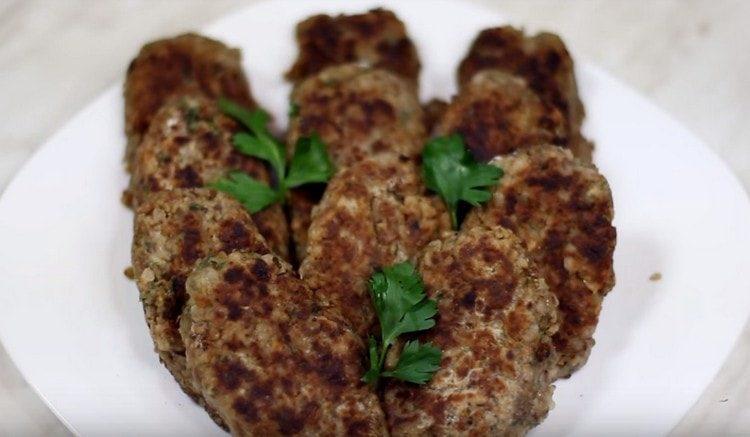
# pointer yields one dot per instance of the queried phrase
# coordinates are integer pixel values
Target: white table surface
(692, 57)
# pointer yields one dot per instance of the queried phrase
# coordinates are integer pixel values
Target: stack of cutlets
(268, 350)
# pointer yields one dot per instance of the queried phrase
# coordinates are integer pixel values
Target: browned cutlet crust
(496, 317)
(562, 211)
(189, 145)
(373, 214)
(434, 110)
(185, 64)
(358, 112)
(376, 38)
(496, 113)
(545, 63)
(267, 358)
(174, 230)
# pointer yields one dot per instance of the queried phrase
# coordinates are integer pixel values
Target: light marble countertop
(691, 57)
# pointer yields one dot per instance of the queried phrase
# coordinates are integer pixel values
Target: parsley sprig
(310, 163)
(450, 170)
(402, 307)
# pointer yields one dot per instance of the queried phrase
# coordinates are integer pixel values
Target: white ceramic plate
(74, 326)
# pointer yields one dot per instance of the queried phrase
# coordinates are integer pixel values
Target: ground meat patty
(377, 38)
(497, 113)
(267, 358)
(186, 64)
(544, 61)
(189, 145)
(373, 214)
(358, 112)
(495, 321)
(562, 211)
(174, 230)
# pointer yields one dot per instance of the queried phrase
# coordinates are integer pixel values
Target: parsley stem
(454, 218)
(381, 359)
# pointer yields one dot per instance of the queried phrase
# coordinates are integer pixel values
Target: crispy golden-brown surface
(358, 112)
(189, 145)
(373, 214)
(267, 358)
(186, 64)
(544, 61)
(497, 113)
(173, 230)
(376, 38)
(495, 321)
(562, 211)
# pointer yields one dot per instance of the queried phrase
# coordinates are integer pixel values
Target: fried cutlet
(186, 64)
(497, 113)
(375, 39)
(358, 112)
(373, 214)
(174, 230)
(496, 317)
(561, 209)
(268, 358)
(189, 145)
(544, 62)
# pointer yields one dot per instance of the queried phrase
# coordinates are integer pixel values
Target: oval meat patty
(496, 113)
(562, 211)
(358, 112)
(496, 317)
(185, 64)
(377, 38)
(173, 230)
(189, 145)
(544, 62)
(267, 358)
(373, 214)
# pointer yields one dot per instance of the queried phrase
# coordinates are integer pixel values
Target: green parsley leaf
(252, 119)
(253, 194)
(310, 163)
(374, 372)
(450, 170)
(402, 307)
(293, 110)
(261, 144)
(417, 363)
(265, 150)
(399, 299)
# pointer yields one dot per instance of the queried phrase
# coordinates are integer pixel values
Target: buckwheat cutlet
(562, 211)
(189, 145)
(185, 64)
(268, 358)
(496, 317)
(374, 213)
(173, 230)
(376, 38)
(358, 112)
(497, 113)
(544, 62)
